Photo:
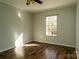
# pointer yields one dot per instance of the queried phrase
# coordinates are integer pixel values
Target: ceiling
(47, 4)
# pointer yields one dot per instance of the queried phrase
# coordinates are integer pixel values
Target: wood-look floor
(37, 50)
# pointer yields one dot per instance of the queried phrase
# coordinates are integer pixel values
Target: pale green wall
(11, 25)
(66, 26)
(77, 29)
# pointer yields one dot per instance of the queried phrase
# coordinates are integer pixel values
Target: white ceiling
(47, 4)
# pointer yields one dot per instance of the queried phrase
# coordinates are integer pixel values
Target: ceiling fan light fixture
(28, 2)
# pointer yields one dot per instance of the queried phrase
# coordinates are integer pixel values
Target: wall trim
(57, 44)
(10, 47)
(6, 49)
(39, 41)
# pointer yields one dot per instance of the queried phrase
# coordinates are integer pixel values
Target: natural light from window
(19, 41)
(51, 26)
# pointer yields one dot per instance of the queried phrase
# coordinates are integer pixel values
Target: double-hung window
(51, 26)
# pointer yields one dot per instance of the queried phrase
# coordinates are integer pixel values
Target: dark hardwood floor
(37, 50)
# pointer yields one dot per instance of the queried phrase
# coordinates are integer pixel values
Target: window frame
(56, 26)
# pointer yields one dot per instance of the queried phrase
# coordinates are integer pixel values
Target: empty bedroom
(39, 29)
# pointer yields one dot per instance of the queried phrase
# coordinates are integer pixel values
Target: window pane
(51, 26)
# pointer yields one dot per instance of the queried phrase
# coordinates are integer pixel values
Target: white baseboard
(6, 49)
(40, 41)
(57, 44)
(10, 47)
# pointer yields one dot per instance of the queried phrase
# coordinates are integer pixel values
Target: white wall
(13, 25)
(66, 26)
(77, 29)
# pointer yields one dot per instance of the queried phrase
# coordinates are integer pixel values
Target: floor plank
(38, 50)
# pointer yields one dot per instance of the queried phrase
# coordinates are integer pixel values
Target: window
(51, 26)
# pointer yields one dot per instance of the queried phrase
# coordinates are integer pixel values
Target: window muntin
(51, 26)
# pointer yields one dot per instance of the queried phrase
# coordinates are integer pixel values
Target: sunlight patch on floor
(27, 45)
(19, 52)
(50, 54)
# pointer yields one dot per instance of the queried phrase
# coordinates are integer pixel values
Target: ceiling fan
(32, 1)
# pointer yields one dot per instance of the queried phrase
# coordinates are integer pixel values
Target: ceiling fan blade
(32, 1)
(38, 1)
